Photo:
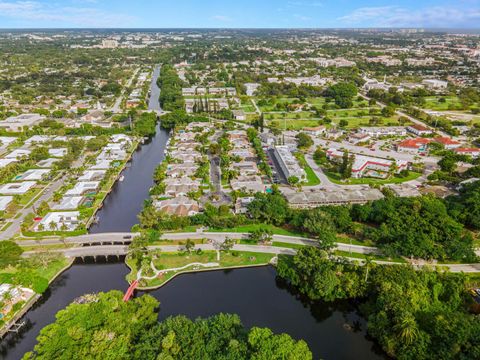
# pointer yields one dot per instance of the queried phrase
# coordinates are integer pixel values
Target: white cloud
(396, 16)
(52, 15)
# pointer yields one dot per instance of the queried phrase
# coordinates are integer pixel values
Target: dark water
(120, 208)
(254, 294)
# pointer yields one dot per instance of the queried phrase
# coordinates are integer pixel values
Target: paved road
(46, 196)
(410, 118)
(118, 102)
(154, 102)
(217, 237)
(119, 250)
(257, 109)
(375, 153)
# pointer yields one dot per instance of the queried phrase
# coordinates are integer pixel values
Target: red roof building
(413, 145)
(447, 142)
(473, 152)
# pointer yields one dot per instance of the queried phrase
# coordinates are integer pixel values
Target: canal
(121, 207)
(332, 330)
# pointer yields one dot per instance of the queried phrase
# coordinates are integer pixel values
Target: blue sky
(239, 13)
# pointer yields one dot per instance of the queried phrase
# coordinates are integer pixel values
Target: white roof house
(58, 153)
(101, 164)
(5, 201)
(17, 154)
(116, 138)
(435, 84)
(7, 140)
(38, 139)
(69, 203)
(289, 163)
(32, 174)
(5, 162)
(66, 219)
(17, 123)
(17, 188)
(83, 187)
(112, 154)
(92, 175)
(48, 163)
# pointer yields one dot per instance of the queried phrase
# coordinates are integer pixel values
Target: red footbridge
(129, 294)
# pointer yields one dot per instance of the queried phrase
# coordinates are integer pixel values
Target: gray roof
(318, 197)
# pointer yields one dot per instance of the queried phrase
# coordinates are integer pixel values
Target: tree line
(104, 327)
(413, 314)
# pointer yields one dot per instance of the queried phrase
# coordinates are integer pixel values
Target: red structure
(131, 289)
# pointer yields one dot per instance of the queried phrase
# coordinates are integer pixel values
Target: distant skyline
(239, 14)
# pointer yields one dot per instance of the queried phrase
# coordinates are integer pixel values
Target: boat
(121, 178)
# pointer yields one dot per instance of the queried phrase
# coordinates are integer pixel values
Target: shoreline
(184, 272)
(32, 301)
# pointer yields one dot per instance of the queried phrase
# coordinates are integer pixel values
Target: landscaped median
(159, 267)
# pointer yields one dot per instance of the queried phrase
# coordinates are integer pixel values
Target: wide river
(332, 330)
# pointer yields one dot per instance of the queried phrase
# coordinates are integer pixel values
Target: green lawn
(353, 122)
(335, 178)
(30, 195)
(287, 245)
(363, 256)
(249, 228)
(177, 260)
(312, 178)
(43, 274)
(451, 103)
(294, 124)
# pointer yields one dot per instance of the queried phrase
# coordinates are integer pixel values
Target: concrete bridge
(126, 238)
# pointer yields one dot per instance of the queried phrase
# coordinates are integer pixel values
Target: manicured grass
(176, 260)
(312, 178)
(363, 256)
(44, 273)
(46, 247)
(252, 227)
(6, 226)
(451, 103)
(293, 124)
(287, 245)
(345, 239)
(309, 120)
(30, 195)
(335, 178)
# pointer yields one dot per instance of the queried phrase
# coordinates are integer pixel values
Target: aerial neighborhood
(347, 159)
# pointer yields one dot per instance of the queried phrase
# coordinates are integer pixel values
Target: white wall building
(289, 163)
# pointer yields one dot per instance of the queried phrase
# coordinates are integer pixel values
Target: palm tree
(407, 329)
(368, 263)
(52, 226)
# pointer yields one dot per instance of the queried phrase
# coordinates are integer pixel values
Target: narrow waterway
(121, 207)
(332, 330)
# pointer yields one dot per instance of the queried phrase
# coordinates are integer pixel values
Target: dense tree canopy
(342, 93)
(466, 207)
(105, 327)
(419, 227)
(414, 314)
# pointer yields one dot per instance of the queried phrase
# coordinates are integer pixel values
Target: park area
(293, 114)
(165, 266)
